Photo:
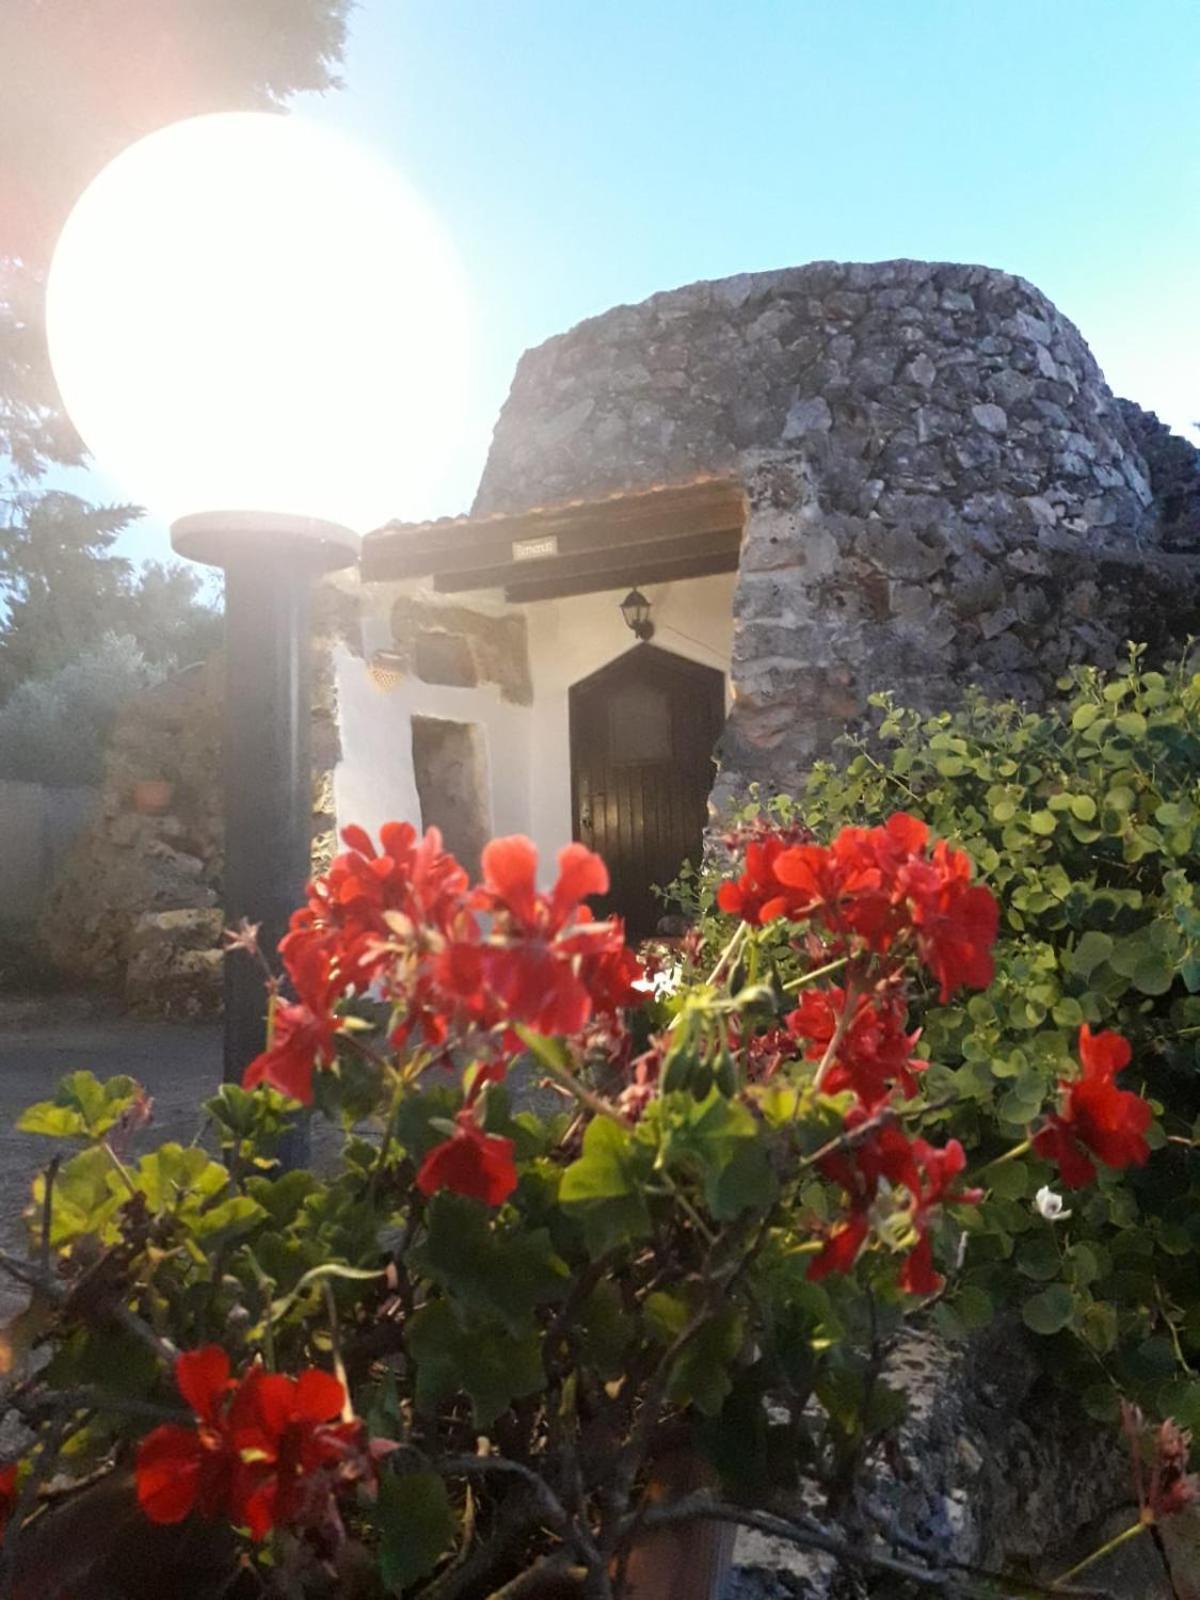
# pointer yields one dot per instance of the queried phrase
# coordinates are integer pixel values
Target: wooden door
(642, 735)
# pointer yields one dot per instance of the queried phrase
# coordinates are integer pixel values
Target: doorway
(643, 730)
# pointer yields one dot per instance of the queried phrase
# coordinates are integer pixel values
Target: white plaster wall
(568, 639)
(374, 781)
(528, 747)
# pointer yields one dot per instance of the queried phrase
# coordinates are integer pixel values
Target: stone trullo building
(825, 480)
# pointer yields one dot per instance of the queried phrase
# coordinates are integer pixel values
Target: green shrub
(54, 730)
(1084, 819)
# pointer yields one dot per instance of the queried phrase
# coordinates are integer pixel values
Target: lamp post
(269, 565)
(260, 332)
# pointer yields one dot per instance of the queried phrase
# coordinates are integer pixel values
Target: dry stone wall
(942, 488)
(135, 907)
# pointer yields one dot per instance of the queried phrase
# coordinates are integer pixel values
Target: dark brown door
(642, 735)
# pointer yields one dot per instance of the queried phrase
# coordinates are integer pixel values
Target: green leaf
(84, 1198)
(500, 1272)
(416, 1525)
(603, 1189)
(1093, 948)
(281, 1198)
(975, 1308)
(1050, 1311)
(745, 1183)
(172, 1177)
(666, 1315)
(720, 1140)
(1038, 1258)
(230, 1219)
(702, 1376)
(82, 1108)
(602, 1331)
(472, 1357)
(1043, 822)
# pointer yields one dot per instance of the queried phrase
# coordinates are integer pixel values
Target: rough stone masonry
(942, 489)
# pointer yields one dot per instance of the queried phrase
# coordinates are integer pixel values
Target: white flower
(661, 983)
(1050, 1205)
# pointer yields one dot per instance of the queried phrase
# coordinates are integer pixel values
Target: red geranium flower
(875, 1052)
(292, 1451)
(956, 922)
(1168, 1487)
(180, 1470)
(757, 896)
(302, 1041)
(888, 1155)
(473, 1163)
(870, 888)
(842, 1244)
(1096, 1119)
(8, 1494)
(265, 1450)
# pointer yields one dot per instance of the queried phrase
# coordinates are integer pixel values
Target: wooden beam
(552, 588)
(621, 562)
(638, 517)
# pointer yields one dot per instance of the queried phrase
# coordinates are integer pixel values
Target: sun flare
(247, 311)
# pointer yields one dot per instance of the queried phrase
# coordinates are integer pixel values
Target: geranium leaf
(1050, 1311)
(473, 1357)
(82, 1108)
(603, 1189)
(416, 1525)
(86, 1197)
(504, 1273)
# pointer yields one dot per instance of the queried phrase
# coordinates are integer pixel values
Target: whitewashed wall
(568, 639)
(528, 748)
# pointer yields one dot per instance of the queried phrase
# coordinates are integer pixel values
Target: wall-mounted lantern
(635, 608)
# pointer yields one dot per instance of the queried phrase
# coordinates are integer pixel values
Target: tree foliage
(53, 729)
(79, 82)
(64, 592)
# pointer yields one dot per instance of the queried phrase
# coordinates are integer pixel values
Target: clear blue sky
(582, 153)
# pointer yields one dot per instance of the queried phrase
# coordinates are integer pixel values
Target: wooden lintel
(640, 517)
(552, 588)
(618, 562)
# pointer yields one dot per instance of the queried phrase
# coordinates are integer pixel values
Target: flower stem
(1105, 1549)
(586, 1097)
(1017, 1151)
(735, 944)
(845, 1017)
(817, 972)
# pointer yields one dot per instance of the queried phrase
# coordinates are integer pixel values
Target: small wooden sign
(535, 549)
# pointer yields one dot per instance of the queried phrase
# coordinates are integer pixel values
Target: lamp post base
(270, 563)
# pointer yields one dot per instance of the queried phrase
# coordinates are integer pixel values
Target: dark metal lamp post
(270, 563)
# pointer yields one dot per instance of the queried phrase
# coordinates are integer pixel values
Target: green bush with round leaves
(1084, 819)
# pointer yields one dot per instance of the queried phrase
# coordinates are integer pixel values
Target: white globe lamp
(260, 332)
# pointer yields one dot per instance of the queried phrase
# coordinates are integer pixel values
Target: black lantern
(635, 608)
